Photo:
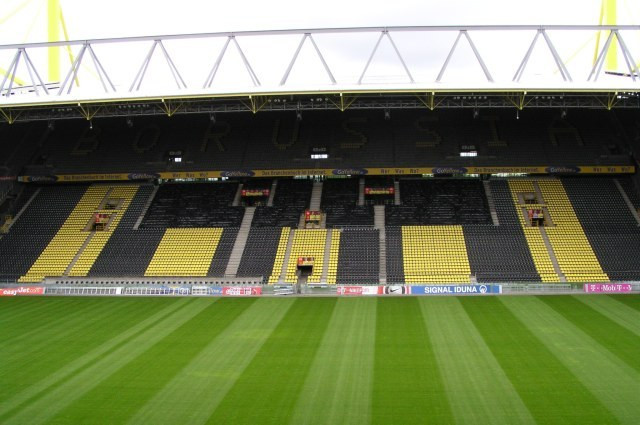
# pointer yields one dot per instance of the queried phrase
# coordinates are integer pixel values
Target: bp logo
(483, 289)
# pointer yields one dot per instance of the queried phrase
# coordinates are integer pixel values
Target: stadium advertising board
(379, 190)
(419, 290)
(241, 291)
(310, 215)
(255, 192)
(455, 289)
(360, 290)
(609, 288)
(21, 290)
(568, 169)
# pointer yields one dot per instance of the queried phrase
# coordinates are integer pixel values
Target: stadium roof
(301, 69)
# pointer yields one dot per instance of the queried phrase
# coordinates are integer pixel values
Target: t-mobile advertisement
(608, 288)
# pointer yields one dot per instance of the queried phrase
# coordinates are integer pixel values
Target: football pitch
(405, 360)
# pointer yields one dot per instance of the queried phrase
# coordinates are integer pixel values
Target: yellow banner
(581, 169)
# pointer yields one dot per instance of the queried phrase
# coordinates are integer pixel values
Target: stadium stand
(31, 234)
(74, 236)
(128, 252)
(307, 243)
(340, 203)
(353, 138)
(442, 229)
(194, 205)
(608, 224)
(260, 252)
(435, 254)
(439, 201)
(489, 246)
(289, 202)
(358, 262)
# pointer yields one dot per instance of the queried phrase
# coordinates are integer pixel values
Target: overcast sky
(114, 18)
(424, 53)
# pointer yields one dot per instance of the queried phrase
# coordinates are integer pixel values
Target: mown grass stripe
(32, 356)
(54, 400)
(204, 382)
(15, 329)
(469, 370)
(632, 301)
(615, 385)
(139, 380)
(22, 346)
(72, 355)
(338, 387)
(550, 391)
(615, 338)
(407, 386)
(267, 390)
(617, 311)
(19, 310)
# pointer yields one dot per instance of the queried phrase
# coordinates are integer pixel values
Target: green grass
(467, 360)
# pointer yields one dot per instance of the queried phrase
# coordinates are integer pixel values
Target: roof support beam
(487, 74)
(216, 66)
(295, 56)
(561, 66)
(384, 33)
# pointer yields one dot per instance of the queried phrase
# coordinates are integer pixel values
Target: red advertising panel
(255, 192)
(360, 290)
(379, 190)
(305, 261)
(312, 215)
(241, 291)
(22, 290)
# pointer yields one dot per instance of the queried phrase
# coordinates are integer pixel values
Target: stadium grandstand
(546, 197)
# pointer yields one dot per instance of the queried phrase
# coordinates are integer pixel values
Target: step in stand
(492, 206)
(379, 223)
(552, 255)
(287, 254)
(22, 210)
(272, 192)
(361, 192)
(240, 243)
(627, 201)
(146, 207)
(327, 255)
(79, 254)
(236, 199)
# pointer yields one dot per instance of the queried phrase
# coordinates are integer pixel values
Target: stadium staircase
(316, 196)
(379, 224)
(240, 243)
(331, 255)
(627, 201)
(361, 191)
(185, 252)
(21, 211)
(396, 192)
(238, 197)
(272, 192)
(492, 206)
(146, 207)
(552, 255)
